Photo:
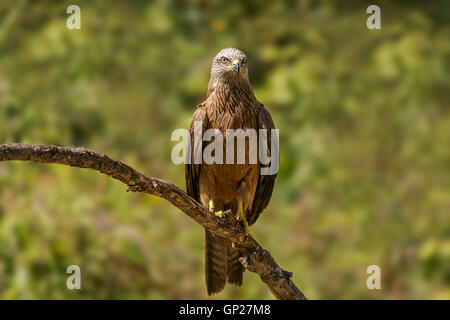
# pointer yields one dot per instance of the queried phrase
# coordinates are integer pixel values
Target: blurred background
(364, 124)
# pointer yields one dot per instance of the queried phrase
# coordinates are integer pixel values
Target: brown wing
(265, 184)
(216, 248)
(191, 170)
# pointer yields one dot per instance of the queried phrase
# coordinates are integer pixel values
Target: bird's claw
(220, 214)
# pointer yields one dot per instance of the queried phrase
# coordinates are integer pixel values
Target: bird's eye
(244, 61)
(224, 60)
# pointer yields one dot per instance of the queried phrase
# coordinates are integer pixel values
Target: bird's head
(230, 64)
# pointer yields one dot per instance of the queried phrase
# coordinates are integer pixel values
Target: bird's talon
(219, 214)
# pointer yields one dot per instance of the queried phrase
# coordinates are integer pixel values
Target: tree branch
(255, 258)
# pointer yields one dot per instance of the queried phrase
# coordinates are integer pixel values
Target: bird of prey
(230, 104)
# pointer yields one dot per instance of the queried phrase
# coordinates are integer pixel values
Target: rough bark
(255, 258)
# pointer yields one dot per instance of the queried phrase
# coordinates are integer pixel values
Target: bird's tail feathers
(216, 262)
(235, 268)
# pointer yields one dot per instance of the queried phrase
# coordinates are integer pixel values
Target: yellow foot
(219, 214)
(241, 216)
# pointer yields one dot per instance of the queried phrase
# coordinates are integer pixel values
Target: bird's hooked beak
(236, 66)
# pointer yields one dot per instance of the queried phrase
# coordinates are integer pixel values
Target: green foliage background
(364, 124)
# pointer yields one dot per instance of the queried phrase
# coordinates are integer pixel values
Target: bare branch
(255, 258)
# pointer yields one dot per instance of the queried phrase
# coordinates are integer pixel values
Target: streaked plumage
(230, 104)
